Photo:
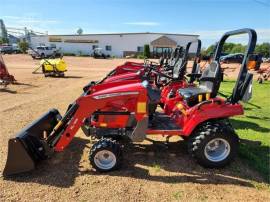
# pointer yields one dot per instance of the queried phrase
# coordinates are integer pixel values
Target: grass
(178, 195)
(156, 167)
(254, 125)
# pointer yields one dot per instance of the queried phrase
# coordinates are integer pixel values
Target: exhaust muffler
(30, 145)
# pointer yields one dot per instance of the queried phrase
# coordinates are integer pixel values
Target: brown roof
(163, 41)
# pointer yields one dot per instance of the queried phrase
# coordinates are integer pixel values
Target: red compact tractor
(170, 83)
(134, 67)
(5, 77)
(111, 112)
(141, 71)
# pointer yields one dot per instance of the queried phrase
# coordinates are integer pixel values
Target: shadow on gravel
(59, 171)
(6, 90)
(179, 167)
(61, 77)
(71, 77)
(152, 162)
(24, 84)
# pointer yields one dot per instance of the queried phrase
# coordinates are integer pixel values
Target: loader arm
(52, 133)
(84, 107)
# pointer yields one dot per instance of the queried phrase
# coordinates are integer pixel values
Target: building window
(139, 49)
(94, 47)
(108, 48)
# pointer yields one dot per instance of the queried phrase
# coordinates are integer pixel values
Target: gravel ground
(149, 172)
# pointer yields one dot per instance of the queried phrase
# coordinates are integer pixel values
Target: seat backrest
(175, 56)
(198, 69)
(180, 67)
(171, 57)
(211, 78)
(177, 67)
(161, 60)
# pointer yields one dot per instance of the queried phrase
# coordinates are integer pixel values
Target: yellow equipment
(53, 67)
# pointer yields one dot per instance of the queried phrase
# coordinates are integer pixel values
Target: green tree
(23, 45)
(3, 40)
(263, 49)
(211, 49)
(227, 48)
(203, 52)
(80, 31)
(146, 51)
(238, 48)
(208, 51)
(3, 32)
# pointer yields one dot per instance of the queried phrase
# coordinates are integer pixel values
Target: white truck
(43, 52)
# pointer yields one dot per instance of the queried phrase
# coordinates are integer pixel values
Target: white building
(118, 44)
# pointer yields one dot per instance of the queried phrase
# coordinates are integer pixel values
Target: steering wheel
(147, 62)
(149, 70)
(169, 78)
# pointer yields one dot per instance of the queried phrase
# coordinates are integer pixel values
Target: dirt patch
(149, 172)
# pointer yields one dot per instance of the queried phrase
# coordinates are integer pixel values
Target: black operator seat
(209, 84)
(175, 56)
(177, 68)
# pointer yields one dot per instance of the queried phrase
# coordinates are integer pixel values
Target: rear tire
(106, 155)
(214, 144)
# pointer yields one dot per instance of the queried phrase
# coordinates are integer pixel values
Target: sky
(208, 18)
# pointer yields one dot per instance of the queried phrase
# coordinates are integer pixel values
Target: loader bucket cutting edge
(29, 145)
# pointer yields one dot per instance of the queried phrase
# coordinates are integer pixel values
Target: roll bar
(244, 78)
(251, 43)
(198, 51)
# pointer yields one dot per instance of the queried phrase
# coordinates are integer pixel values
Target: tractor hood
(124, 76)
(128, 88)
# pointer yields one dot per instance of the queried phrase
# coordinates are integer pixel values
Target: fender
(215, 109)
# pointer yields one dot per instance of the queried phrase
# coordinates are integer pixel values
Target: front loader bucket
(30, 146)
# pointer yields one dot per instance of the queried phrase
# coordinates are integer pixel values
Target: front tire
(214, 144)
(105, 155)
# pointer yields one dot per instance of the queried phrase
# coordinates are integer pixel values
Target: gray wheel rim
(217, 150)
(105, 159)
